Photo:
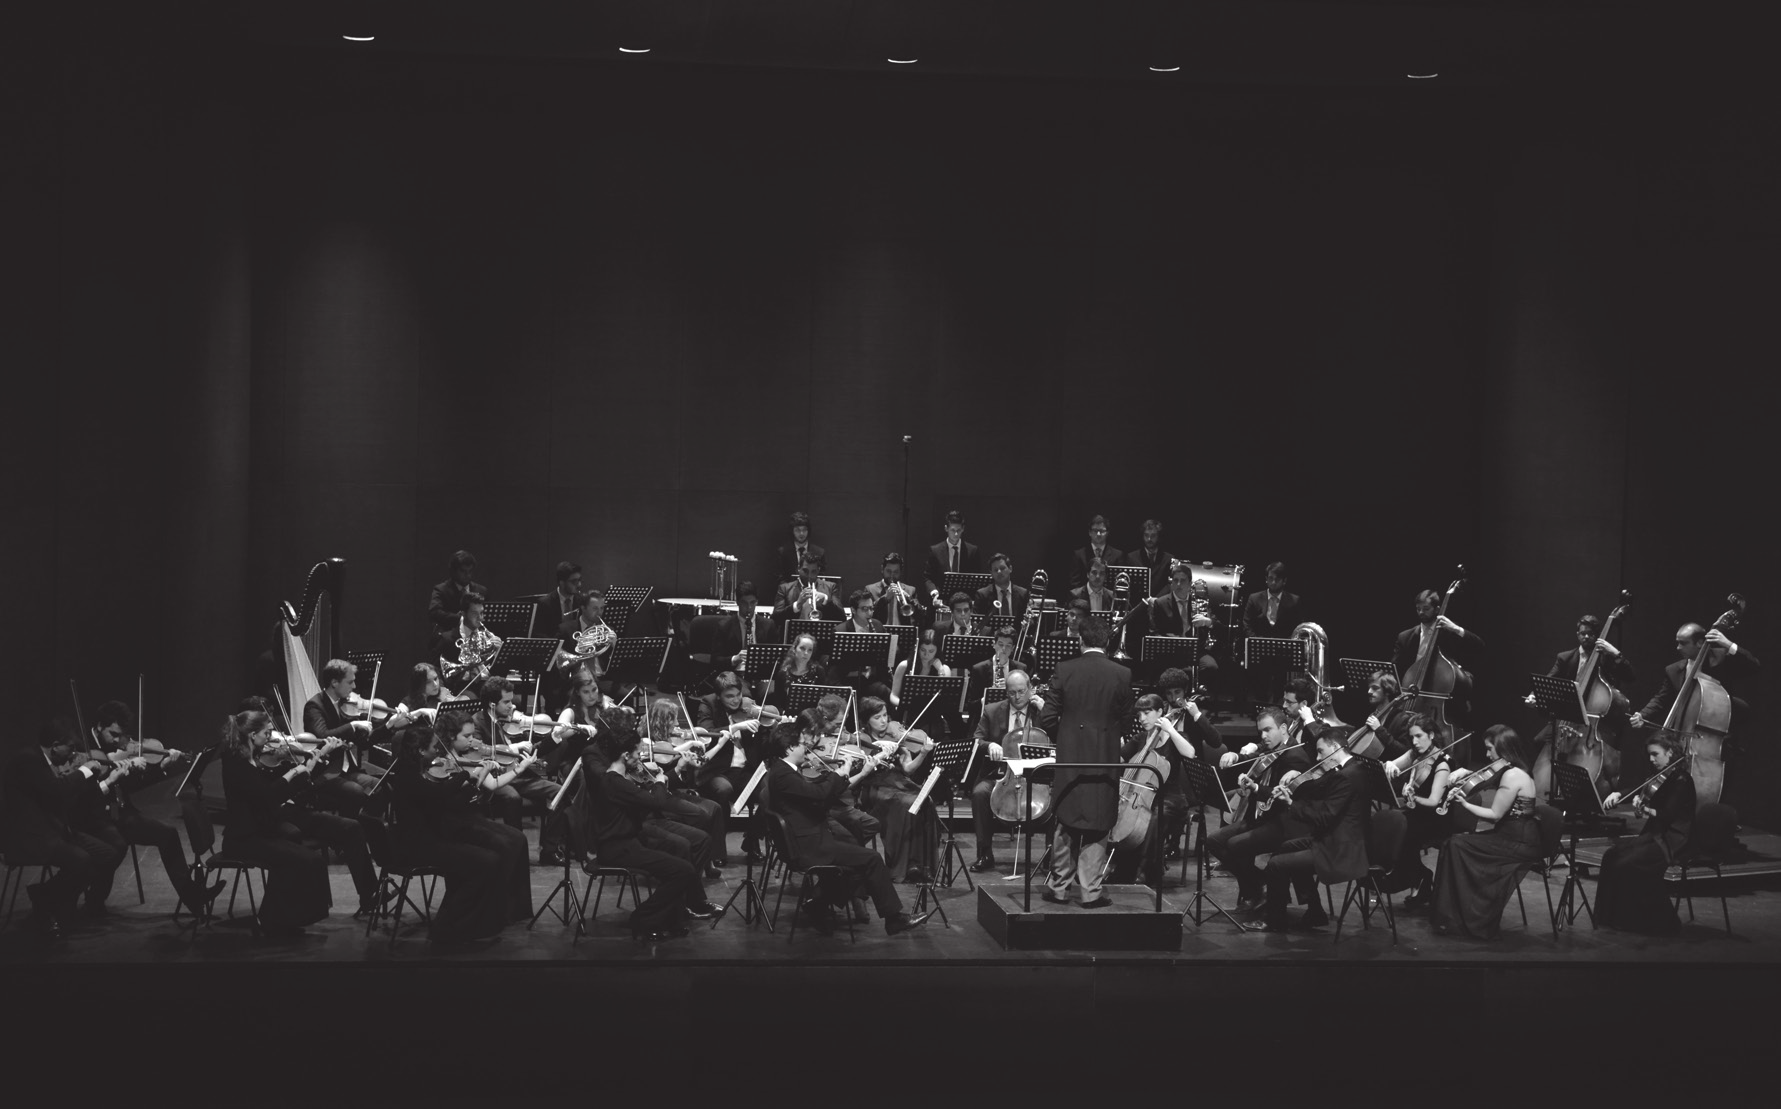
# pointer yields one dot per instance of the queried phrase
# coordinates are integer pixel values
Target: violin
(1642, 794)
(1407, 792)
(522, 724)
(479, 752)
(283, 752)
(1254, 773)
(1466, 783)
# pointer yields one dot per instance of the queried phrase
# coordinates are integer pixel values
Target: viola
(1466, 783)
(522, 724)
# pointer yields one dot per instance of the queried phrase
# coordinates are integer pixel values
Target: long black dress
(487, 877)
(1629, 890)
(1424, 828)
(259, 829)
(1479, 872)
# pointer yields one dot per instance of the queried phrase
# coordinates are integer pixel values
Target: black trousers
(683, 841)
(345, 794)
(863, 867)
(1237, 845)
(509, 804)
(82, 862)
(132, 827)
(1290, 866)
(718, 789)
(480, 861)
(675, 879)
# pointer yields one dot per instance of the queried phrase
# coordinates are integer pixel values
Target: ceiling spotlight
(633, 50)
(1421, 76)
(1165, 69)
(359, 38)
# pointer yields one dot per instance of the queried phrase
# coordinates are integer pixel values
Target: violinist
(798, 667)
(849, 820)
(620, 805)
(1082, 560)
(1439, 633)
(332, 714)
(1094, 590)
(806, 597)
(1001, 597)
(264, 827)
(497, 722)
(952, 554)
(1152, 557)
(926, 662)
(731, 721)
(1387, 715)
(891, 788)
(421, 700)
(1479, 871)
(448, 601)
(791, 556)
(1614, 668)
(439, 823)
(1630, 892)
(1331, 801)
(679, 754)
(1237, 844)
(576, 725)
(1158, 732)
(1726, 662)
(114, 818)
(1420, 775)
(893, 601)
(803, 803)
(45, 787)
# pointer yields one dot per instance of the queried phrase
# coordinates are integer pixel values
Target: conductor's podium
(1131, 923)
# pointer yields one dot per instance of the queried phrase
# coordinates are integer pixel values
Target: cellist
(1021, 710)
(1170, 806)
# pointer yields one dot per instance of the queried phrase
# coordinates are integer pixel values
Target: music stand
(919, 689)
(638, 661)
(1203, 791)
(566, 884)
(617, 614)
(1139, 586)
(1258, 649)
(822, 630)
(1378, 786)
(955, 582)
(368, 664)
(804, 695)
(634, 595)
(993, 622)
(471, 705)
(948, 754)
(759, 660)
(866, 645)
(1557, 698)
(510, 619)
(1577, 799)
(1357, 672)
(1181, 649)
(994, 695)
(1050, 650)
(961, 652)
(530, 658)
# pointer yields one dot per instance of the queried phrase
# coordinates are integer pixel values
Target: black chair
(205, 861)
(1709, 845)
(394, 875)
(15, 880)
(591, 895)
(783, 854)
(1385, 841)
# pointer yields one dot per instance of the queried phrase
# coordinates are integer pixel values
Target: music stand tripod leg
(754, 907)
(951, 849)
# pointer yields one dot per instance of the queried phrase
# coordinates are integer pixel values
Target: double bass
(1433, 679)
(1702, 714)
(1602, 706)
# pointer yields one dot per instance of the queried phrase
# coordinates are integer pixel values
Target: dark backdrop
(287, 306)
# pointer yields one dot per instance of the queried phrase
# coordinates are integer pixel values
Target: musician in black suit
(1022, 710)
(1439, 633)
(952, 554)
(446, 603)
(341, 787)
(803, 804)
(1613, 668)
(1092, 696)
(791, 556)
(1727, 663)
(748, 626)
(894, 601)
(562, 603)
(1084, 557)
(529, 785)
(1001, 597)
(994, 670)
(43, 792)
(1272, 613)
(1335, 808)
(1238, 843)
(620, 808)
(806, 597)
(1152, 557)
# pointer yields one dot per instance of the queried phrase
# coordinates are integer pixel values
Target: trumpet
(899, 596)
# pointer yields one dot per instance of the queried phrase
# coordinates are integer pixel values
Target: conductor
(1092, 696)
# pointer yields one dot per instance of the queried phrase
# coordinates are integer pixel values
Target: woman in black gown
(1479, 871)
(440, 823)
(798, 667)
(1427, 784)
(1629, 889)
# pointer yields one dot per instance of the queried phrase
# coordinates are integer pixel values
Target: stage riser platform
(1131, 923)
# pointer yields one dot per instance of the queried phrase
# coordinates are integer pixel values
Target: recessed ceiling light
(359, 38)
(1421, 76)
(1165, 69)
(633, 50)
(902, 61)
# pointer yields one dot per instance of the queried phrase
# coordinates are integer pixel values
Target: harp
(309, 632)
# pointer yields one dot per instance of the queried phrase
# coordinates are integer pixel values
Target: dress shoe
(903, 922)
(916, 875)
(1047, 895)
(1100, 902)
(704, 910)
(712, 870)
(197, 898)
(1314, 917)
(554, 857)
(1251, 904)
(984, 865)
(1420, 898)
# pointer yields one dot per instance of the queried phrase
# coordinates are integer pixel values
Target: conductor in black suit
(1092, 696)
(1001, 597)
(952, 554)
(1335, 807)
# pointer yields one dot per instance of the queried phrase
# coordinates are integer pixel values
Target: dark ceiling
(1244, 42)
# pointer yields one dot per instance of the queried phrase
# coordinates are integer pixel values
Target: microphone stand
(907, 439)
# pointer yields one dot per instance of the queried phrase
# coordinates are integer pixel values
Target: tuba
(1316, 648)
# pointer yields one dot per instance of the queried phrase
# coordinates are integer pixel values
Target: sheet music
(927, 787)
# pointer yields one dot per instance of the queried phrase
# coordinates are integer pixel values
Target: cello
(1602, 706)
(1702, 713)
(1433, 679)
(1138, 789)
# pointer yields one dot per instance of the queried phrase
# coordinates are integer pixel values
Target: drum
(1223, 583)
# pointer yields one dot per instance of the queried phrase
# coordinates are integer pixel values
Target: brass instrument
(474, 654)
(900, 604)
(595, 641)
(1316, 650)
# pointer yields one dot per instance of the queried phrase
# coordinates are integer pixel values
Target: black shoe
(1423, 895)
(1314, 917)
(1251, 904)
(704, 910)
(916, 875)
(1047, 895)
(198, 898)
(554, 857)
(903, 922)
(1100, 902)
(984, 865)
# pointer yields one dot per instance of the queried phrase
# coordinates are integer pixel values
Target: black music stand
(617, 615)
(638, 661)
(804, 695)
(566, 884)
(1023, 829)
(634, 595)
(509, 619)
(1357, 672)
(1139, 586)
(1577, 799)
(961, 652)
(1258, 649)
(948, 755)
(1050, 650)
(867, 645)
(759, 660)
(992, 623)
(823, 631)
(919, 689)
(1203, 791)
(470, 705)
(530, 658)
(1557, 698)
(1180, 649)
(368, 664)
(1378, 786)
(957, 582)
(994, 694)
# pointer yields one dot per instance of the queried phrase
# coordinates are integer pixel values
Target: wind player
(564, 603)
(957, 617)
(952, 554)
(1083, 558)
(1174, 614)
(806, 597)
(581, 626)
(749, 627)
(1095, 591)
(1001, 597)
(465, 649)
(791, 557)
(993, 671)
(1614, 668)
(860, 619)
(1152, 557)
(894, 603)
(1237, 844)
(445, 605)
(1021, 710)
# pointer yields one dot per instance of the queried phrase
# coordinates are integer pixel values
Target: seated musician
(993, 671)
(894, 602)
(114, 818)
(265, 826)
(584, 636)
(926, 661)
(1630, 892)
(1082, 560)
(1387, 715)
(1169, 810)
(850, 821)
(730, 722)
(1237, 844)
(1074, 614)
(1175, 686)
(1001, 597)
(621, 803)
(445, 606)
(802, 799)
(708, 795)
(1419, 774)
(466, 648)
(1433, 632)
(528, 783)
(791, 556)
(857, 672)
(1094, 590)
(806, 597)
(951, 555)
(1727, 663)
(1152, 557)
(1021, 710)
(892, 787)
(1272, 612)
(44, 789)
(565, 602)
(956, 617)
(342, 785)
(441, 822)
(422, 696)
(798, 667)
(748, 627)
(1185, 611)
(1333, 809)
(576, 726)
